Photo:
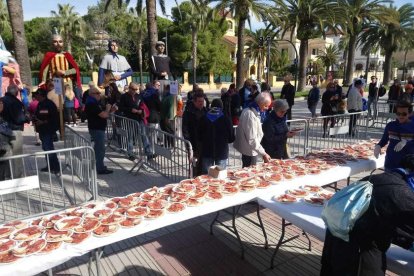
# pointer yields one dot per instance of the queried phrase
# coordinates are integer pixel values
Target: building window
(230, 25)
(359, 67)
(315, 52)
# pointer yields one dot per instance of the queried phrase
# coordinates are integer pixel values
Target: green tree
(329, 57)
(241, 10)
(309, 19)
(70, 24)
(257, 48)
(19, 40)
(407, 45)
(5, 26)
(390, 33)
(355, 14)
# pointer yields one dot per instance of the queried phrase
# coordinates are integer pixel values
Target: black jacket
(274, 138)
(328, 105)
(191, 123)
(288, 93)
(390, 217)
(47, 111)
(14, 112)
(215, 135)
(127, 103)
(372, 90)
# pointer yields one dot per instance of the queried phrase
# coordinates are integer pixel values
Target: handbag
(345, 207)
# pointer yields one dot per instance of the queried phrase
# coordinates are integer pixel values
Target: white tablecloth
(308, 217)
(38, 263)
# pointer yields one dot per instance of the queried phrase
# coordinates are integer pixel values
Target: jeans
(371, 100)
(47, 144)
(135, 134)
(98, 137)
(352, 122)
(312, 109)
(208, 162)
(248, 161)
(17, 149)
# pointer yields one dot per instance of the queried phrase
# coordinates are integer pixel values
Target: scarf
(214, 114)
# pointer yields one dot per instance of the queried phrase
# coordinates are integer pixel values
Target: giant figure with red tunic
(60, 64)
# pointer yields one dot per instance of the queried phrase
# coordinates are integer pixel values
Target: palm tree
(408, 45)
(309, 19)
(20, 45)
(70, 24)
(256, 48)
(197, 20)
(138, 29)
(151, 7)
(390, 33)
(356, 14)
(329, 57)
(241, 10)
(4, 17)
(343, 46)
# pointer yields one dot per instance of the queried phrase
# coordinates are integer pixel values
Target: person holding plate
(276, 131)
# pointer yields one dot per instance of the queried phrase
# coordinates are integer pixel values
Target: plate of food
(77, 238)
(230, 190)
(285, 198)
(112, 219)
(311, 188)
(243, 174)
(99, 214)
(263, 184)
(111, 205)
(6, 245)
(8, 258)
(6, 231)
(178, 197)
(50, 246)
(314, 200)
(18, 224)
(27, 234)
(325, 194)
(155, 213)
(176, 207)
(49, 221)
(87, 225)
(273, 178)
(68, 223)
(298, 192)
(105, 230)
(214, 195)
(130, 222)
(137, 212)
(194, 202)
(247, 188)
(52, 235)
(184, 188)
(28, 248)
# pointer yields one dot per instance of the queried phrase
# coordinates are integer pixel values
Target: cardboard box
(217, 172)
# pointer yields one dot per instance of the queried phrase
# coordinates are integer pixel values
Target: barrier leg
(214, 221)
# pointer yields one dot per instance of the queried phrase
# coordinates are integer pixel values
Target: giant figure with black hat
(160, 65)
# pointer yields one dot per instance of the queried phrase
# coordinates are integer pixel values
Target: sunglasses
(401, 113)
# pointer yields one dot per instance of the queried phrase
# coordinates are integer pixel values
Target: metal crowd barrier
(152, 148)
(385, 113)
(27, 190)
(336, 131)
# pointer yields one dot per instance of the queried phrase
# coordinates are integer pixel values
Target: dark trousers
(248, 161)
(47, 144)
(166, 125)
(70, 115)
(341, 258)
(289, 113)
(352, 122)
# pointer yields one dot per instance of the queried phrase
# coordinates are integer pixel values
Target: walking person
(69, 105)
(394, 94)
(6, 138)
(354, 104)
(46, 120)
(373, 97)
(329, 107)
(97, 120)
(288, 93)
(32, 111)
(313, 99)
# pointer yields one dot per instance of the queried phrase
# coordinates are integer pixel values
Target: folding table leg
(214, 221)
(98, 255)
(309, 241)
(90, 263)
(266, 245)
(281, 241)
(50, 272)
(236, 232)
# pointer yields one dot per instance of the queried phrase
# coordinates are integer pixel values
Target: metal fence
(384, 113)
(166, 153)
(319, 133)
(30, 187)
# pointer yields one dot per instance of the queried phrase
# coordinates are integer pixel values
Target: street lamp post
(268, 39)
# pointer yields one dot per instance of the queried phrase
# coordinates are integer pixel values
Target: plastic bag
(345, 207)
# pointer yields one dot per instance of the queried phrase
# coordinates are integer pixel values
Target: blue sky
(42, 8)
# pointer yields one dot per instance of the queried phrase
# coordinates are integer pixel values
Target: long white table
(308, 217)
(38, 263)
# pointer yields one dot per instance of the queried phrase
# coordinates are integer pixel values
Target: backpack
(381, 91)
(345, 207)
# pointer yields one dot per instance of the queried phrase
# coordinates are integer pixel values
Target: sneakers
(105, 171)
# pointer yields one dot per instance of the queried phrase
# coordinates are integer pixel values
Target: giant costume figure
(160, 66)
(9, 70)
(114, 67)
(60, 64)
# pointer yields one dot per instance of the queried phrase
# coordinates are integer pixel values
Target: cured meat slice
(27, 234)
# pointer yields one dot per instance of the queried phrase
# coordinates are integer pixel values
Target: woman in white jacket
(249, 132)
